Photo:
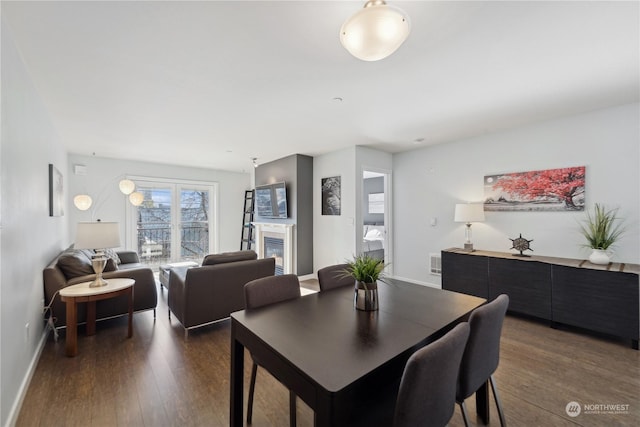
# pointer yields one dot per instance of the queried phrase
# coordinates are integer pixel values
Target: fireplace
(274, 248)
(276, 240)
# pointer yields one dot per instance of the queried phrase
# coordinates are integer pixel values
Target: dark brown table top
(333, 345)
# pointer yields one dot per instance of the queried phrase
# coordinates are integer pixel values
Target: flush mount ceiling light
(375, 32)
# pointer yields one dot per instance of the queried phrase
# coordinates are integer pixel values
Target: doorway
(376, 215)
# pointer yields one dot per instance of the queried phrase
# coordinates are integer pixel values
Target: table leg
(71, 340)
(91, 318)
(130, 332)
(482, 402)
(237, 382)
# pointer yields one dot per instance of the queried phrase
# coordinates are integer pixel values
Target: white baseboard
(22, 392)
(417, 282)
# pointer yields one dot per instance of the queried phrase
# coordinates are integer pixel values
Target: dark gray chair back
(266, 291)
(334, 276)
(482, 355)
(270, 290)
(427, 394)
(481, 358)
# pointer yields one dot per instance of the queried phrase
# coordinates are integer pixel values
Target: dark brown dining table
(332, 355)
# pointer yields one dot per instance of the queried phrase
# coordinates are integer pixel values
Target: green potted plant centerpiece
(366, 271)
(602, 228)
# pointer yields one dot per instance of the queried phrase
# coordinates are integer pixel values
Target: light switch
(433, 221)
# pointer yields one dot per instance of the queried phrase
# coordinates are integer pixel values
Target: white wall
(101, 183)
(334, 238)
(30, 238)
(429, 182)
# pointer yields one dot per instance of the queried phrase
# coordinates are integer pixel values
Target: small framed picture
(331, 196)
(56, 192)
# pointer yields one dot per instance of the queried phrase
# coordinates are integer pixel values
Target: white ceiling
(212, 83)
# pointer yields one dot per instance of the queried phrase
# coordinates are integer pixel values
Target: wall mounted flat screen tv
(271, 200)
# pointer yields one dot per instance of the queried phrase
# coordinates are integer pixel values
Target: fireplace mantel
(283, 231)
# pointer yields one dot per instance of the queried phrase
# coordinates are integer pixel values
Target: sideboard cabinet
(574, 292)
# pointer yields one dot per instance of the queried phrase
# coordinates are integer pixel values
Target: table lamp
(98, 236)
(468, 213)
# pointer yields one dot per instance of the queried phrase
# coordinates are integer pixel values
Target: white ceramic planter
(599, 256)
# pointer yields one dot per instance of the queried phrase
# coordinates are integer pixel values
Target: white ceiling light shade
(127, 186)
(82, 201)
(136, 198)
(375, 32)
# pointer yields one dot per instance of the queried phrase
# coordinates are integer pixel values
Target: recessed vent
(435, 264)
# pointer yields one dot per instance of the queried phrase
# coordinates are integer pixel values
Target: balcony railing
(154, 242)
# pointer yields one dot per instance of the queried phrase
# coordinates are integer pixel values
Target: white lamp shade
(82, 201)
(469, 212)
(127, 186)
(375, 32)
(97, 235)
(136, 198)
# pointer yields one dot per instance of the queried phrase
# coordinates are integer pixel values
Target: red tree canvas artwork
(544, 190)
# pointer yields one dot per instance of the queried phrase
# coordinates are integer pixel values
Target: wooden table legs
(71, 340)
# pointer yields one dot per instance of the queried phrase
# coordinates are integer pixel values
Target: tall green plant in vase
(366, 271)
(602, 228)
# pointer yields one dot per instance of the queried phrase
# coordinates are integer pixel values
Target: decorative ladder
(246, 239)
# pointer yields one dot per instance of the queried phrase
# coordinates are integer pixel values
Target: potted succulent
(366, 271)
(602, 229)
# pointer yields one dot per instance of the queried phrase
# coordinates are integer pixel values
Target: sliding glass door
(154, 224)
(193, 234)
(174, 222)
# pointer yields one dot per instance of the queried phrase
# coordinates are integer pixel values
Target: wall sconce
(468, 213)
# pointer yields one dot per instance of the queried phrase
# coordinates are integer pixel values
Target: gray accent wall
(297, 172)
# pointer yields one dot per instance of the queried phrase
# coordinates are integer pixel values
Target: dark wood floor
(159, 379)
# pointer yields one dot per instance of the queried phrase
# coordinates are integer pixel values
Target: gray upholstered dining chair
(266, 291)
(482, 354)
(427, 394)
(334, 276)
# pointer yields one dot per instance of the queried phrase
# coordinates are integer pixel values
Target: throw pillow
(74, 263)
(111, 265)
(110, 253)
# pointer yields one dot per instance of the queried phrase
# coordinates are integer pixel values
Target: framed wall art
(56, 192)
(543, 190)
(331, 195)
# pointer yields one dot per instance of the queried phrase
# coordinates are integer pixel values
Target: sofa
(198, 296)
(73, 266)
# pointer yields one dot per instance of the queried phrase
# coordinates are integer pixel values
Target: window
(376, 203)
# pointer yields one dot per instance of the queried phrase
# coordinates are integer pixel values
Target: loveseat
(73, 266)
(202, 295)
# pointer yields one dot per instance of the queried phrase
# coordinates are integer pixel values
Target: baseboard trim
(22, 392)
(417, 282)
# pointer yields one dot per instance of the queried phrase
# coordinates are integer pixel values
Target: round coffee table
(81, 292)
